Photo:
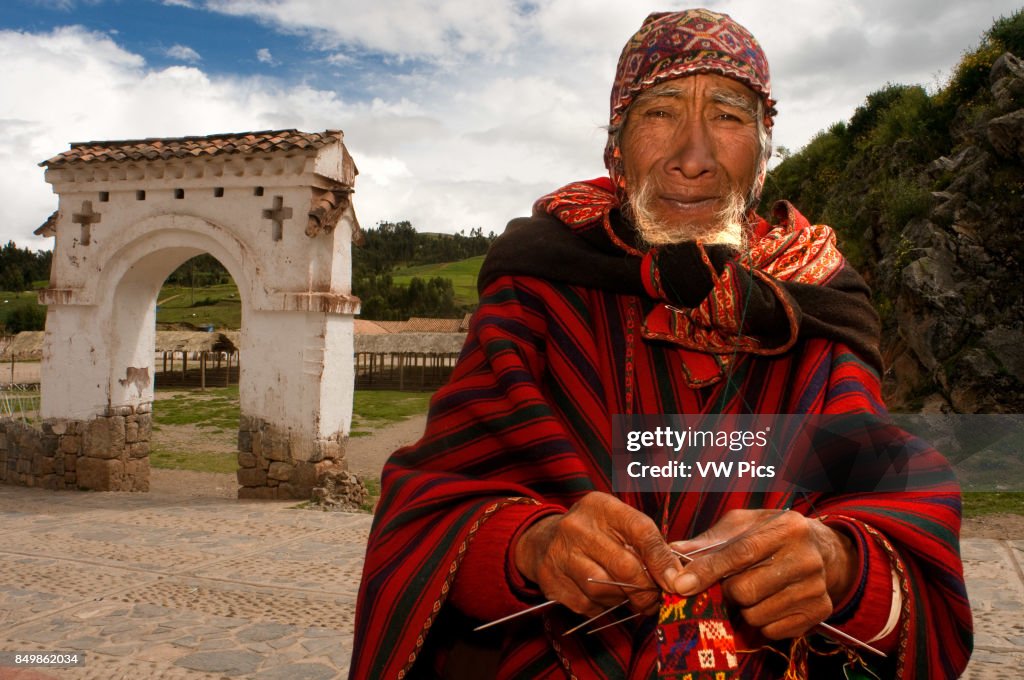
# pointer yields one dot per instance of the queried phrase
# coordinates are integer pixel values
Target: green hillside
(219, 305)
(462, 275)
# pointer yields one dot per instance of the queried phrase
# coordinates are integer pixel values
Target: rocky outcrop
(340, 490)
(956, 276)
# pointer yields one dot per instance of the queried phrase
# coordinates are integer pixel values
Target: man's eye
(657, 113)
(729, 117)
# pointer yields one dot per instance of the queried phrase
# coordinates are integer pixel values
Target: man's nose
(691, 153)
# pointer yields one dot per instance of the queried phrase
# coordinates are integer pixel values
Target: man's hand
(600, 537)
(785, 574)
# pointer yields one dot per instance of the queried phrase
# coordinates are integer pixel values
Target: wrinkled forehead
(711, 88)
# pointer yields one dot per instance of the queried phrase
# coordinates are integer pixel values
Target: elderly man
(657, 290)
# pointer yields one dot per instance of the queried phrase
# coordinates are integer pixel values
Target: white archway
(274, 208)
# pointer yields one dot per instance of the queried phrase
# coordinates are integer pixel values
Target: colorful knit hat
(670, 45)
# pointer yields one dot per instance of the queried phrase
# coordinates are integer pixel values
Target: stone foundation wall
(275, 464)
(107, 453)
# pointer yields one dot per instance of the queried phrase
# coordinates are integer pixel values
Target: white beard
(728, 227)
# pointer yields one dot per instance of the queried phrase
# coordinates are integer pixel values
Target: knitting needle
(615, 623)
(631, 586)
(550, 602)
(517, 614)
(595, 618)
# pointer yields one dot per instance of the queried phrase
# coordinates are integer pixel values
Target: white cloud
(407, 28)
(183, 53)
(470, 111)
(180, 3)
(264, 56)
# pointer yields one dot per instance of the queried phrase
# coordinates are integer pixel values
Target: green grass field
(10, 301)
(977, 503)
(198, 461)
(462, 273)
(217, 305)
(215, 408)
(372, 409)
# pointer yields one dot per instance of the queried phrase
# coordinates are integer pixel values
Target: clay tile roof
(367, 327)
(418, 324)
(266, 141)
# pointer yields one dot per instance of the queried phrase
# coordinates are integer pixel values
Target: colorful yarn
(695, 638)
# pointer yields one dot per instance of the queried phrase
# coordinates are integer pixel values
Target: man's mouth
(687, 203)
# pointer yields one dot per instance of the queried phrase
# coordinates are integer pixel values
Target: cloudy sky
(458, 112)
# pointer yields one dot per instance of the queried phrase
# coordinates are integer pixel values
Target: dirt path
(366, 456)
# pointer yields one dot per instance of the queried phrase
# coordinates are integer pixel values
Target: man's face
(690, 150)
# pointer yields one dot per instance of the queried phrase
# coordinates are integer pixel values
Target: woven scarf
(712, 333)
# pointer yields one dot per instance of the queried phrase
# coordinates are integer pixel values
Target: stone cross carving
(278, 214)
(86, 218)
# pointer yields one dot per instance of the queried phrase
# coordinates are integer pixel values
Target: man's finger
(709, 569)
(639, 531)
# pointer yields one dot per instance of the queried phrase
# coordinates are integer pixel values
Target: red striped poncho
(523, 429)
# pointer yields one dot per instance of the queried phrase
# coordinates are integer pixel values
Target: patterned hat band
(672, 45)
(707, 64)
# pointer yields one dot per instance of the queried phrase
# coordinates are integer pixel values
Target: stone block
(246, 460)
(303, 476)
(138, 450)
(145, 423)
(245, 440)
(146, 407)
(276, 447)
(46, 465)
(3, 440)
(118, 411)
(131, 432)
(308, 475)
(104, 438)
(246, 423)
(286, 490)
(280, 471)
(137, 474)
(264, 493)
(252, 477)
(327, 449)
(70, 443)
(100, 475)
(49, 444)
(69, 462)
(257, 442)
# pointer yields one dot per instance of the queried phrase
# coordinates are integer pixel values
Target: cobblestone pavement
(202, 588)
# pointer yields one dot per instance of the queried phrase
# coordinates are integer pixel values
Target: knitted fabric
(695, 638)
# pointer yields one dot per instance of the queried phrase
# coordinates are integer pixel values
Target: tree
(27, 316)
